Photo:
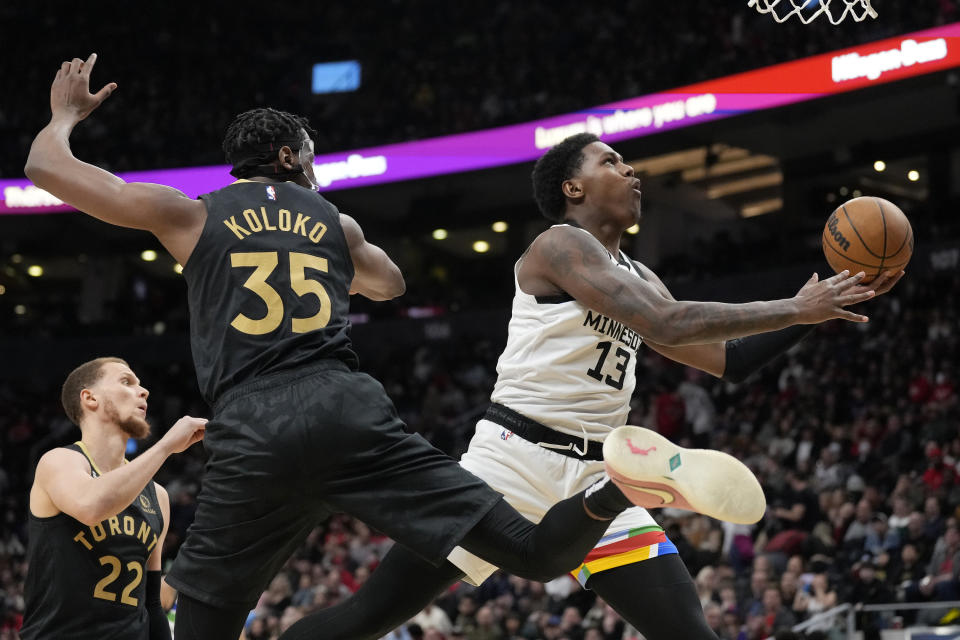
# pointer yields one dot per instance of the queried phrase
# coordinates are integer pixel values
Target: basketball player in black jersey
(583, 185)
(97, 524)
(297, 432)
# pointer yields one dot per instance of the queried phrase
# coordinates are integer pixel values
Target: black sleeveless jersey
(268, 284)
(88, 582)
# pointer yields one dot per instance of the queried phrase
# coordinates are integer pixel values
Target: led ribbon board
(870, 64)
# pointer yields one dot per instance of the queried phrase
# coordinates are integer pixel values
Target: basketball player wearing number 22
(580, 312)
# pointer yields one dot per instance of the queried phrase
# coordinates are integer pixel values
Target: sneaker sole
(654, 473)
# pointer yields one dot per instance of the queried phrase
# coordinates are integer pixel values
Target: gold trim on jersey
(89, 457)
(86, 453)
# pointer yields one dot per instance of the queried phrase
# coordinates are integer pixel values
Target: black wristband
(153, 587)
(159, 625)
(747, 355)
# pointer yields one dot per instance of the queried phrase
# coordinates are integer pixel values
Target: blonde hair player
(97, 523)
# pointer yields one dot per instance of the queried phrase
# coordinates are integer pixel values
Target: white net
(809, 10)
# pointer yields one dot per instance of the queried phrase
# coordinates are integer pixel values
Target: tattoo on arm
(579, 265)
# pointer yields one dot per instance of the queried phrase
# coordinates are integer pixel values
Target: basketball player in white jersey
(564, 383)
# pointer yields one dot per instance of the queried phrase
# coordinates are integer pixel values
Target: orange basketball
(868, 234)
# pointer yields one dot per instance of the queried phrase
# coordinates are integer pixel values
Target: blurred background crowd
(853, 435)
(429, 68)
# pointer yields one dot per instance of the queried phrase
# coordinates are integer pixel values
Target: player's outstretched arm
(375, 276)
(735, 360)
(63, 479)
(573, 261)
(174, 218)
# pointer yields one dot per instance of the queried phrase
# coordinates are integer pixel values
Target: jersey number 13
(623, 361)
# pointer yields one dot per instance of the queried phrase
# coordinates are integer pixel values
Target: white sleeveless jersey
(566, 366)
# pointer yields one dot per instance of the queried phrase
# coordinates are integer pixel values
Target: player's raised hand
(821, 300)
(70, 95)
(186, 431)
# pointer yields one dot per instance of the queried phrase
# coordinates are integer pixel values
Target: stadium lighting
(178, 268)
(439, 234)
(634, 230)
(844, 191)
(3, 289)
(913, 175)
(481, 246)
(149, 255)
(761, 207)
(16, 258)
(499, 226)
(857, 193)
(35, 270)
(879, 166)
(19, 309)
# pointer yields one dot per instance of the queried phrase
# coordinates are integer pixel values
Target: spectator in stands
(714, 615)
(699, 410)
(933, 518)
(706, 583)
(857, 531)
(880, 538)
(277, 597)
(433, 617)
(773, 614)
(816, 597)
(905, 573)
(485, 628)
(900, 518)
(866, 588)
(829, 471)
(789, 587)
(794, 515)
(936, 472)
(943, 572)
(257, 629)
(467, 613)
(897, 444)
(305, 593)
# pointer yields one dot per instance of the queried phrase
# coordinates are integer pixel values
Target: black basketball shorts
(286, 451)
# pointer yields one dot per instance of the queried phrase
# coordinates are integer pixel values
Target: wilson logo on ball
(838, 237)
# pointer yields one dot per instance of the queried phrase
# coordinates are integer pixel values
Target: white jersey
(566, 366)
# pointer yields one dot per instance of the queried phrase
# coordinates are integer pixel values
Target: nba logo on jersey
(505, 435)
(271, 192)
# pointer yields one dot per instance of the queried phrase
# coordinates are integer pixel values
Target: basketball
(868, 234)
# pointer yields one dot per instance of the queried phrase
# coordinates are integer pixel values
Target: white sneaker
(653, 473)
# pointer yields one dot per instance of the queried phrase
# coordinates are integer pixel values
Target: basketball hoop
(809, 10)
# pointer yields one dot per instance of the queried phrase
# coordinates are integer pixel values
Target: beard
(134, 426)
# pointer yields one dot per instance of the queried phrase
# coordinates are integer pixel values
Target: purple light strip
(633, 118)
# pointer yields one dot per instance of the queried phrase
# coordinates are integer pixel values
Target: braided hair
(555, 167)
(254, 137)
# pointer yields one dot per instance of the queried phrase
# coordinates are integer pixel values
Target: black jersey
(88, 582)
(268, 284)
